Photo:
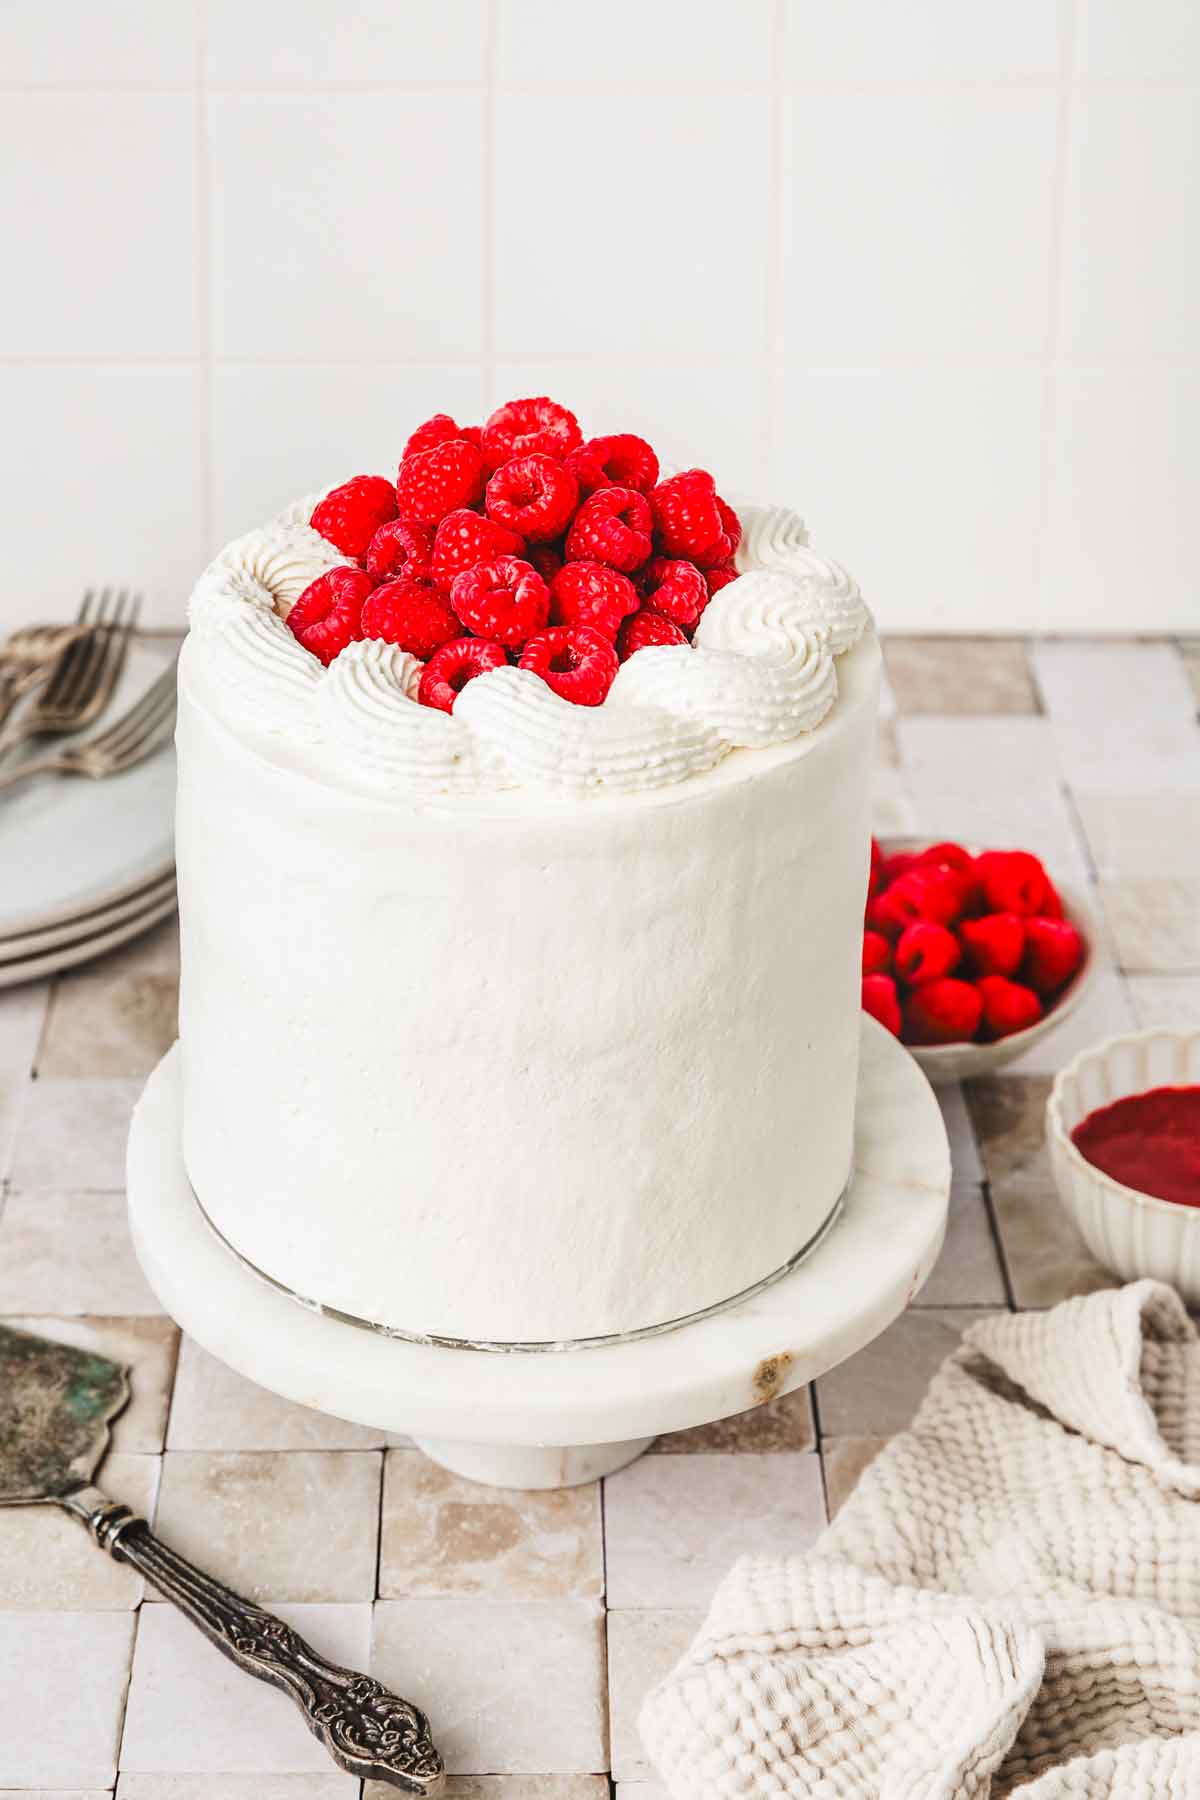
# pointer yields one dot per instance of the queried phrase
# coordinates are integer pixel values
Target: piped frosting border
(760, 672)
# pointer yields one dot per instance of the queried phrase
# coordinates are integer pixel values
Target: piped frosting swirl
(761, 672)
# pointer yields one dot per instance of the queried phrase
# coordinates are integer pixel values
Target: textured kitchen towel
(1008, 1603)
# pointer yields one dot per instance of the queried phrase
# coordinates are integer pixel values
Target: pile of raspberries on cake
(519, 541)
(960, 948)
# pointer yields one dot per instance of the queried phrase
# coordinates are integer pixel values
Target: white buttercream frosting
(761, 673)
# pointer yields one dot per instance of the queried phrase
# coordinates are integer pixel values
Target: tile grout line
(488, 258)
(1049, 406)
(768, 428)
(203, 273)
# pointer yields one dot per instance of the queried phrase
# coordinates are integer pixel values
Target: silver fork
(136, 734)
(85, 675)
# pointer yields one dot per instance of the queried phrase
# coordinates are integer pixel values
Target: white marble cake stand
(554, 1419)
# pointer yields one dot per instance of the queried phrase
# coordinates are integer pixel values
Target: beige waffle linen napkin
(1009, 1602)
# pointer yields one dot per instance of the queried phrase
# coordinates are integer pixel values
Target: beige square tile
(673, 1525)
(444, 1535)
(73, 1135)
(214, 1408)
(276, 1525)
(845, 1459)
(964, 1151)
(334, 1786)
(877, 1391)
(513, 1688)
(643, 1648)
(1165, 999)
(991, 781)
(968, 1271)
(641, 1790)
(22, 1015)
(155, 953)
(49, 1561)
(1135, 835)
(56, 1736)
(192, 1712)
(1122, 715)
(782, 1424)
(147, 1346)
(510, 1787)
(69, 1253)
(960, 675)
(1155, 924)
(107, 1022)
(1046, 1258)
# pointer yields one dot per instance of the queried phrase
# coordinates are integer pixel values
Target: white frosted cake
(507, 1018)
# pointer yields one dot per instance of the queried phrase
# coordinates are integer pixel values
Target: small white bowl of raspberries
(970, 955)
(518, 541)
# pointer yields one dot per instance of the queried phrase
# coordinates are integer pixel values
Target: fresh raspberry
(449, 669)
(876, 954)
(547, 559)
(441, 429)
(411, 614)
(731, 525)
(643, 628)
(676, 589)
(719, 576)
(719, 552)
(613, 526)
(893, 867)
(588, 593)
(328, 614)
(578, 663)
(1054, 950)
(434, 482)
(350, 516)
(686, 516)
(878, 918)
(942, 1012)
(464, 539)
(995, 943)
(621, 461)
(523, 427)
(533, 495)
(1012, 881)
(1052, 906)
(505, 600)
(879, 998)
(937, 895)
(948, 856)
(1008, 1006)
(401, 547)
(926, 952)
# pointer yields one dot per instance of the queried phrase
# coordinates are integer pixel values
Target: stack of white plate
(87, 865)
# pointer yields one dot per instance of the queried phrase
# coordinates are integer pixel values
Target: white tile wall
(929, 271)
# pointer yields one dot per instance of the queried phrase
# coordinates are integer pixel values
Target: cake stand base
(556, 1419)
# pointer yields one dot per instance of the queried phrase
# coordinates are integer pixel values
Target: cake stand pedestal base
(558, 1418)
(532, 1465)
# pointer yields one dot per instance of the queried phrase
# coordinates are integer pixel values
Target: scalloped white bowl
(1131, 1233)
(944, 1063)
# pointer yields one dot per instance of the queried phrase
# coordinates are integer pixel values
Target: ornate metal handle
(367, 1731)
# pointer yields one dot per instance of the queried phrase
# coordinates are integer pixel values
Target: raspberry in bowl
(971, 955)
(1123, 1127)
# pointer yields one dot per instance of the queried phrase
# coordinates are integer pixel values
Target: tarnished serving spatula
(55, 1406)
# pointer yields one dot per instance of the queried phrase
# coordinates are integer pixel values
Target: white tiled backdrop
(927, 270)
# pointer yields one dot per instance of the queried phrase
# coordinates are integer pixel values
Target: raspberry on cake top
(524, 607)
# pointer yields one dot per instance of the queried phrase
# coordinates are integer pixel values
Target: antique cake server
(56, 1403)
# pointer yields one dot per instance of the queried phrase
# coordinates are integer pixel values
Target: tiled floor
(530, 1625)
